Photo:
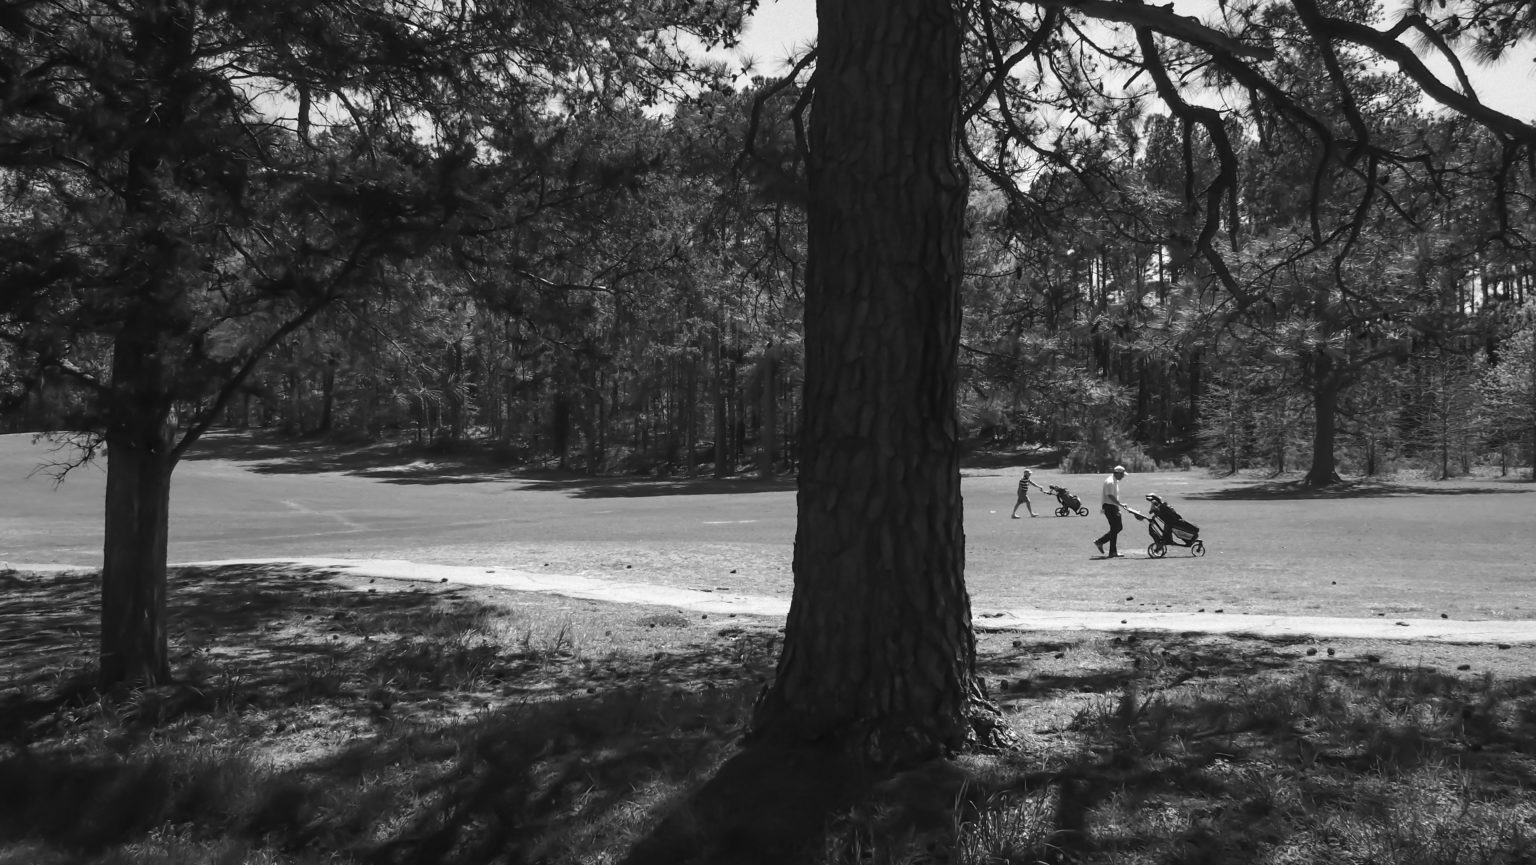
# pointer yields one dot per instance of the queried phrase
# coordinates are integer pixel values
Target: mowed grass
(1405, 547)
(323, 718)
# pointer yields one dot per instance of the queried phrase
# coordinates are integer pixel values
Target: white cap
(1119, 468)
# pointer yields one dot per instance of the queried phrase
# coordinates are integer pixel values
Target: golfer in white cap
(1111, 509)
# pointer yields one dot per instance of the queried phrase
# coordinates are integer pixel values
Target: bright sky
(783, 27)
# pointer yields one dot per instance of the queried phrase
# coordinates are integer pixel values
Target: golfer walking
(1024, 484)
(1111, 509)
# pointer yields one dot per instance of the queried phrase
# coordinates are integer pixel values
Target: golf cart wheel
(1157, 551)
(1061, 511)
(1082, 512)
(1198, 548)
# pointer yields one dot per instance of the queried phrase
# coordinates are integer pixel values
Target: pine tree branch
(1162, 19)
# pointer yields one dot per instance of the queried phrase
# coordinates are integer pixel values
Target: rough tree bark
(138, 431)
(718, 385)
(137, 517)
(879, 653)
(1327, 382)
(768, 414)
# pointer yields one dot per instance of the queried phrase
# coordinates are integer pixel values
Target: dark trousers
(1112, 514)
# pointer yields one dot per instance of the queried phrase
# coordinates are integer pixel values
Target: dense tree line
(644, 314)
(658, 332)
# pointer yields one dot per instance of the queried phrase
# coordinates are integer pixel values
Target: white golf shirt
(1111, 491)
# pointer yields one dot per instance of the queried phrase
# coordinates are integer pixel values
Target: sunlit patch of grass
(557, 639)
(1012, 826)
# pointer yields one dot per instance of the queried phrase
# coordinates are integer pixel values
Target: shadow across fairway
(610, 488)
(1360, 489)
(271, 454)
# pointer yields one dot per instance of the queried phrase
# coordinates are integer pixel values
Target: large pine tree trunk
(592, 418)
(327, 399)
(1326, 384)
(293, 418)
(879, 654)
(1194, 390)
(689, 413)
(768, 415)
(560, 428)
(139, 465)
(723, 467)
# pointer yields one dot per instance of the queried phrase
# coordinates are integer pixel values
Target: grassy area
(328, 719)
(1405, 548)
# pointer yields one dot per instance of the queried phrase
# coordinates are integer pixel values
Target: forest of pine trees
(621, 293)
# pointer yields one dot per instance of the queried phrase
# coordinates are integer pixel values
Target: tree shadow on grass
(606, 488)
(550, 781)
(1170, 749)
(409, 725)
(1232, 760)
(766, 805)
(320, 721)
(42, 618)
(268, 453)
(264, 618)
(1253, 751)
(1354, 489)
(273, 453)
(784, 804)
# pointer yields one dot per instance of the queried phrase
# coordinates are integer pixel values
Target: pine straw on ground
(330, 718)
